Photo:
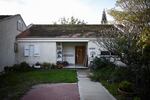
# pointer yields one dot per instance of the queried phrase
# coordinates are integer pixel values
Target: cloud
(14, 1)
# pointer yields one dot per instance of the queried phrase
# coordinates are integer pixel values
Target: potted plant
(37, 65)
(126, 88)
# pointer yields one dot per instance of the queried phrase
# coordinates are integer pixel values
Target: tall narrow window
(15, 47)
(36, 50)
(19, 25)
(26, 50)
(31, 53)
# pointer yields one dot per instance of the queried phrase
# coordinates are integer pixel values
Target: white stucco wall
(94, 49)
(8, 33)
(47, 52)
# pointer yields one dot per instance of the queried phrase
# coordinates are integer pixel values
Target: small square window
(19, 25)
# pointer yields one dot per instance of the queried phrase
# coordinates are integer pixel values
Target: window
(105, 53)
(15, 47)
(31, 50)
(19, 25)
(26, 50)
(36, 50)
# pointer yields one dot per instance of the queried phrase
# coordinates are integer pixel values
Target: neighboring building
(76, 44)
(10, 27)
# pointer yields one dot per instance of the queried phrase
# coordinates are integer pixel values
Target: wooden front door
(80, 54)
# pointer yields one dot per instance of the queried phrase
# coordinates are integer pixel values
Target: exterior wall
(69, 51)
(47, 52)
(8, 33)
(48, 49)
(94, 49)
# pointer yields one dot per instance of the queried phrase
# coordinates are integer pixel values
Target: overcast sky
(49, 11)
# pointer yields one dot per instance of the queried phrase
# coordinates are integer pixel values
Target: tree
(133, 45)
(70, 21)
(104, 18)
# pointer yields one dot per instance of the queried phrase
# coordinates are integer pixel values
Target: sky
(50, 11)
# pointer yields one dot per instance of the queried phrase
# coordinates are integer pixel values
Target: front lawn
(14, 84)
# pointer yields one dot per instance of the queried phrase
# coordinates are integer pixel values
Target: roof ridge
(72, 25)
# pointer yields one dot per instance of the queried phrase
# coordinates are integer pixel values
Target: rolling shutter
(36, 50)
(26, 50)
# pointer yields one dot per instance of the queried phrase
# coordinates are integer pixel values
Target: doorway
(80, 55)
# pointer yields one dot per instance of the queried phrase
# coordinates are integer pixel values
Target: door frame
(84, 51)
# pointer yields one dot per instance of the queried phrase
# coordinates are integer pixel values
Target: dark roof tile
(68, 31)
(4, 16)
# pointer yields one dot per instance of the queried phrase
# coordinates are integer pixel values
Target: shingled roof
(4, 16)
(69, 31)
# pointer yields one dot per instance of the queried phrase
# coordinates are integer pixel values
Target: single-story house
(76, 44)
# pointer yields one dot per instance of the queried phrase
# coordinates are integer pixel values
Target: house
(76, 44)
(10, 27)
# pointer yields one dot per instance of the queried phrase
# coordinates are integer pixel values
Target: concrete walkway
(84, 90)
(90, 90)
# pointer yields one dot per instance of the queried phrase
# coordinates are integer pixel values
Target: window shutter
(26, 50)
(36, 50)
(31, 50)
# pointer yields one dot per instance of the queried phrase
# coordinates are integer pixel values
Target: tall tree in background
(104, 18)
(70, 21)
(134, 15)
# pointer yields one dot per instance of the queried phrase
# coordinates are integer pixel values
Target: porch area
(76, 67)
(72, 53)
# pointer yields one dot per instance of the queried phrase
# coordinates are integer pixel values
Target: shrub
(126, 86)
(53, 66)
(8, 68)
(61, 64)
(121, 73)
(18, 67)
(22, 67)
(65, 63)
(46, 65)
(103, 73)
(99, 63)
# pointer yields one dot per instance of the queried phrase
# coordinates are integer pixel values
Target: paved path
(90, 90)
(87, 89)
(63, 91)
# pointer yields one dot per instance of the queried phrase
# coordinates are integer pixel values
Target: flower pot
(37, 66)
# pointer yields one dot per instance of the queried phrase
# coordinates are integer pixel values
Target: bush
(99, 63)
(18, 67)
(122, 73)
(61, 64)
(65, 63)
(22, 67)
(126, 86)
(103, 73)
(8, 68)
(53, 66)
(46, 65)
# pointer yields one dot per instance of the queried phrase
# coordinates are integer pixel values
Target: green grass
(13, 85)
(103, 75)
(112, 88)
(106, 76)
